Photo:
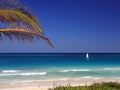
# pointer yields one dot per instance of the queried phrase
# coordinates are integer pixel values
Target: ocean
(20, 67)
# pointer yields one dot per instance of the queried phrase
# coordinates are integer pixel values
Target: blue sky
(73, 26)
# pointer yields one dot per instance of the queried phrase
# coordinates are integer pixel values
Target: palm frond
(19, 18)
(22, 24)
(21, 34)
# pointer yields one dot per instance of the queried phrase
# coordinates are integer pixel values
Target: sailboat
(87, 55)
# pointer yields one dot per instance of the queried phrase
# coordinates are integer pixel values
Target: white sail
(87, 55)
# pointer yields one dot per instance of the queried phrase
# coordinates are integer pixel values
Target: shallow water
(26, 67)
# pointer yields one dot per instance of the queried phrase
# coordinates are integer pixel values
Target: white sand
(45, 85)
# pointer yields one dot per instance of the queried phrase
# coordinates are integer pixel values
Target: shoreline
(46, 84)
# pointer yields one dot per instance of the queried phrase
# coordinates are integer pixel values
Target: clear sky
(73, 26)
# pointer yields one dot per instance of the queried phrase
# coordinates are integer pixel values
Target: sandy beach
(47, 84)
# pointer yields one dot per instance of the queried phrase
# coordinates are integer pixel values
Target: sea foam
(28, 74)
(24, 74)
(9, 71)
(112, 69)
(75, 70)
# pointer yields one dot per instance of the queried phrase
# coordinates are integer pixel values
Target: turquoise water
(27, 67)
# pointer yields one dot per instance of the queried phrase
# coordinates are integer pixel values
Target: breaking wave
(11, 73)
(75, 70)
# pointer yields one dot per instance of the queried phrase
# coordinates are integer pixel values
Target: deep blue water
(18, 67)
